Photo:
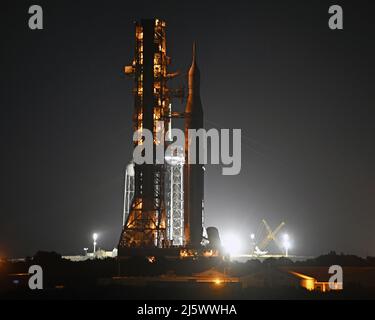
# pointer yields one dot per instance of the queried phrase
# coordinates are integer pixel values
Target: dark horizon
(300, 92)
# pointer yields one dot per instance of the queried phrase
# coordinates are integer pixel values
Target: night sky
(302, 94)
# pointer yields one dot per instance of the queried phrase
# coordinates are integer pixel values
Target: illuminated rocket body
(193, 173)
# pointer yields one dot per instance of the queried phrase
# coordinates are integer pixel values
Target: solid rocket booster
(193, 173)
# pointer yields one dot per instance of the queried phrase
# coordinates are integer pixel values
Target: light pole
(95, 237)
(286, 244)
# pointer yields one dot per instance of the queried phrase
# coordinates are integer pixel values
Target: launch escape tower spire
(163, 209)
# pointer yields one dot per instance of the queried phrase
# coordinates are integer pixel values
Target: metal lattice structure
(167, 204)
(271, 235)
(175, 196)
(145, 225)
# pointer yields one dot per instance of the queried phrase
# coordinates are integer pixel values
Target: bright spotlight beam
(286, 243)
(232, 244)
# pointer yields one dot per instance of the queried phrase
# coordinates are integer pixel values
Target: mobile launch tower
(163, 202)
